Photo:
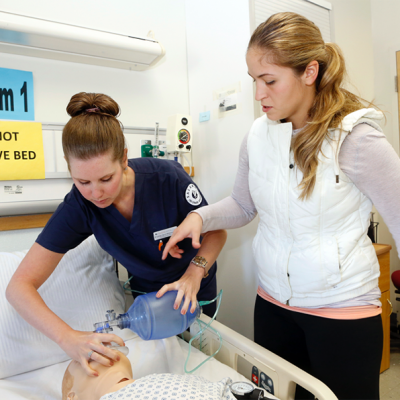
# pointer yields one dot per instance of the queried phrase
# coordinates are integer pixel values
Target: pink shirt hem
(334, 313)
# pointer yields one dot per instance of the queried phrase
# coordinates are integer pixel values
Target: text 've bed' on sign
(21, 150)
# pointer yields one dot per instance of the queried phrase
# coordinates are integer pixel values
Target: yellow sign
(21, 151)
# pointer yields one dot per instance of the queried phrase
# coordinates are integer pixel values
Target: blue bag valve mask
(155, 318)
(151, 318)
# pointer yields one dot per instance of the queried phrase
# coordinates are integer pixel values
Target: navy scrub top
(164, 195)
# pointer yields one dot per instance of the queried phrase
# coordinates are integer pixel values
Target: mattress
(147, 357)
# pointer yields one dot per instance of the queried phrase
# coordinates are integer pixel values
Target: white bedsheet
(147, 357)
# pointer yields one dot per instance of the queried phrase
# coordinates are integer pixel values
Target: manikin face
(281, 92)
(98, 179)
(110, 379)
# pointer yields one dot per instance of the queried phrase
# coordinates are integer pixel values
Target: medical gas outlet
(147, 148)
(179, 134)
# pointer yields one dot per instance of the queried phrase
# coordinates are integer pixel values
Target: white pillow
(80, 291)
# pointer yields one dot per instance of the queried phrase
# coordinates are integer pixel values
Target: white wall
(217, 42)
(219, 32)
(386, 41)
(213, 57)
(217, 36)
(368, 31)
(145, 97)
(352, 31)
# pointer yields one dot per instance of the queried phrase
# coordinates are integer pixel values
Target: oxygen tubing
(206, 326)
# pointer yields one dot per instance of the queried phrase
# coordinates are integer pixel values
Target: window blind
(261, 10)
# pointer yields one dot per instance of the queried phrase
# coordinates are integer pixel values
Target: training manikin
(117, 382)
(77, 385)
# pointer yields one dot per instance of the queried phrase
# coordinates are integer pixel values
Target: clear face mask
(116, 346)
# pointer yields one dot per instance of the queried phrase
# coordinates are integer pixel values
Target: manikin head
(77, 385)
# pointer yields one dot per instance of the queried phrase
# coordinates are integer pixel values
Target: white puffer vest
(313, 252)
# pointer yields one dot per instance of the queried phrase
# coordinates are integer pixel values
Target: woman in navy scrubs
(132, 207)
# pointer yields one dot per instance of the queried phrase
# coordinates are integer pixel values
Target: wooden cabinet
(383, 253)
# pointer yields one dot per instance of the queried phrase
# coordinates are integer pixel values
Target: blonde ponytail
(293, 41)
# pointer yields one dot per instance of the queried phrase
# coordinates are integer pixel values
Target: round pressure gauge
(184, 136)
(245, 390)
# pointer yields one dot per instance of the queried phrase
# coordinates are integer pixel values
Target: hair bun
(83, 101)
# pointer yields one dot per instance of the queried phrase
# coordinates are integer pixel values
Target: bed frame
(251, 360)
(272, 373)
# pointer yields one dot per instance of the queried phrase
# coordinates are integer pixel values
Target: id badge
(164, 233)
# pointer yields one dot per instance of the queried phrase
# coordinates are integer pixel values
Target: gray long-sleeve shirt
(366, 157)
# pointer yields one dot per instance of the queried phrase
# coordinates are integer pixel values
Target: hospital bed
(80, 290)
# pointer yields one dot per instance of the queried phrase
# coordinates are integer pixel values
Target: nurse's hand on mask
(189, 228)
(85, 346)
(187, 286)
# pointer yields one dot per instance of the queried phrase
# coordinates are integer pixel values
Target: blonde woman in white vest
(311, 167)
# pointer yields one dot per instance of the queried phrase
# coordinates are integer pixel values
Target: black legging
(344, 354)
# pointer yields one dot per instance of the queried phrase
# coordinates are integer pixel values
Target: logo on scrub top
(193, 195)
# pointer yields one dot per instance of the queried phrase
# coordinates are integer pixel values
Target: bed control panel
(266, 383)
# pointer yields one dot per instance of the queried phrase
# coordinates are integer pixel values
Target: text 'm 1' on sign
(16, 95)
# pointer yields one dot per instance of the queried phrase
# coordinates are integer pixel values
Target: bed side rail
(264, 368)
